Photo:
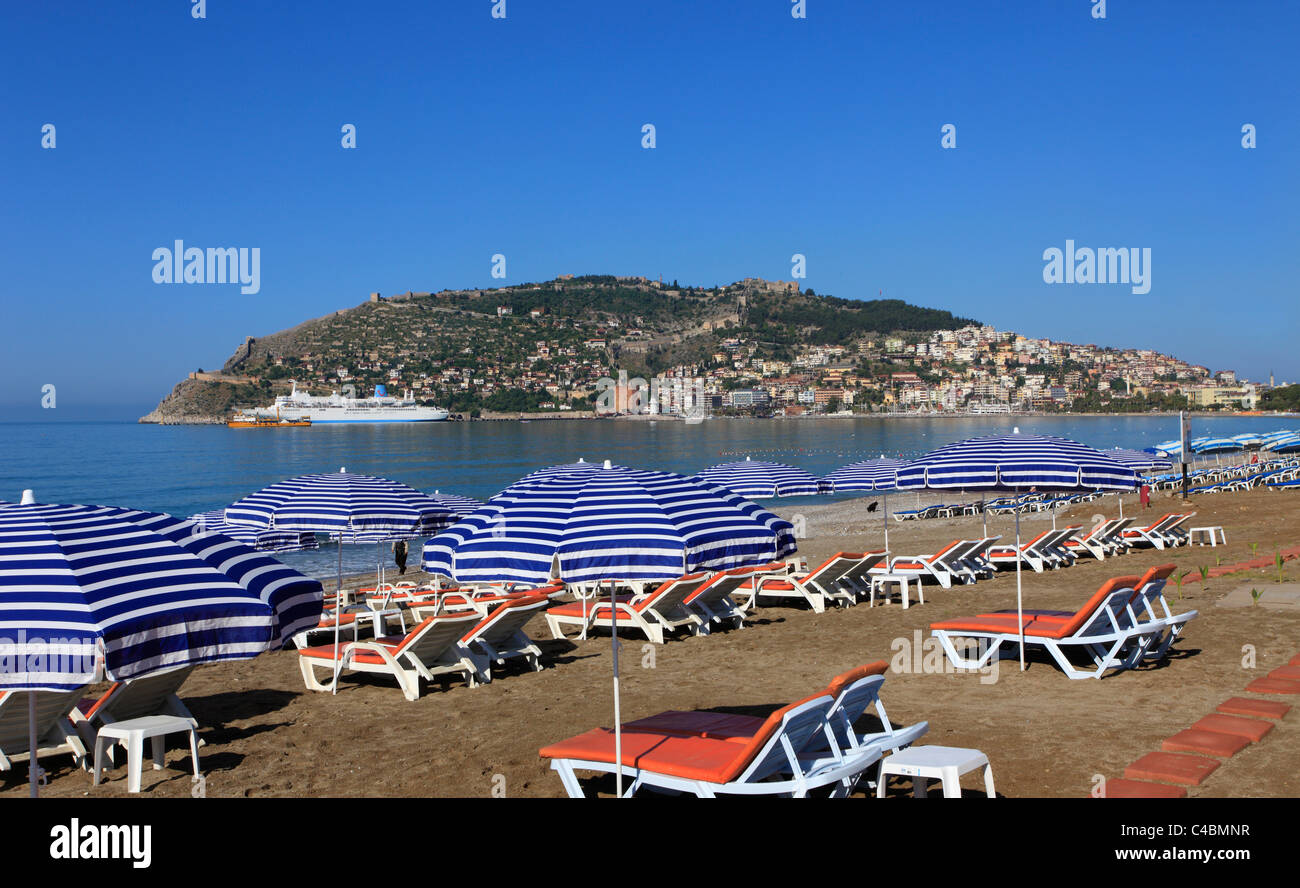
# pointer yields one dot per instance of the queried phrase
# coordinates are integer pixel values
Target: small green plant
(1278, 561)
(1205, 573)
(1254, 549)
(1255, 595)
(1218, 560)
(1178, 584)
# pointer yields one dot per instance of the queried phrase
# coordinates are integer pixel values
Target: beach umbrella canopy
(1213, 445)
(1139, 460)
(342, 504)
(1284, 443)
(88, 592)
(1014, 463)
(870, 474)
(757, 478)
(1248, 439)
(608, 523)
(1170, 448)
(260, 540)
(454, 503)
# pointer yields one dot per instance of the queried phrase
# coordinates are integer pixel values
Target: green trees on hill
(1286, 398)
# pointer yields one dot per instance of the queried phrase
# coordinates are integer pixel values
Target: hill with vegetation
(533, 346)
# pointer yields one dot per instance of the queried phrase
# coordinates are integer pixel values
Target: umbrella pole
(33, 769)
(984, 515)
(885, 508)
(1020, 607)
(618, 720)
(338, 615)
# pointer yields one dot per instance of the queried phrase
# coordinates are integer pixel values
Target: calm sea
(186, 469)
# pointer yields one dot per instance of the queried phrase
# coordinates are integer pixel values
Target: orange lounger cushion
(576, 608)
(691, 758)
(710, 725)
(326, 652)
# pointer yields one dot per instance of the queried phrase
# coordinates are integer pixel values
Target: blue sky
(522, 136)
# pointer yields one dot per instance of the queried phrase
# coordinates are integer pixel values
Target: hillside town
(607, 345)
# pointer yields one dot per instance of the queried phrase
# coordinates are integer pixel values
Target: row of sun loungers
(466, 631)
(807, 746)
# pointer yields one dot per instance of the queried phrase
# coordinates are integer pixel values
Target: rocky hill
(531, 347)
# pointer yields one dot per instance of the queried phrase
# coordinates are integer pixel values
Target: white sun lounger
(55, 733)
(432, 648)
(653, 613)
(1105, 629)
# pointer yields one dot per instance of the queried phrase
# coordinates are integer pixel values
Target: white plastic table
(133, 732)
(880, 581)
(1215, 535)
(947, 763)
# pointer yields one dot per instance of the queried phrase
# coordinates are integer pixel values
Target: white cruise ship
(336, 408)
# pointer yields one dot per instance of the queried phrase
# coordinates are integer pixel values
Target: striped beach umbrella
(607, 524)
(1014, 463)
(254, 538)
(350, 507)
(614, 523)
(1248, 439)
(1139, 460)
(1213, 445)
(1170, 448)
(344, 505)
(455, 503)
(880, 474)
(88, 592)
(1284, 443)
(757, 478)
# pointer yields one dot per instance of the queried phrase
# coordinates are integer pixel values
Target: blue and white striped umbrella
(455, 503)
(1284, 444)
(357, 508)
(1213, 445)
(1139, 460)
(1171, 448)
(757, 478)
(1274, 436)
(1248, 439)
(1016, 462)
(871, 474)
(260, 540)
(608, 524)
(140, 589)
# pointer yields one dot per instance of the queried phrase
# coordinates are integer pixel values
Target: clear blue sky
(522, 136)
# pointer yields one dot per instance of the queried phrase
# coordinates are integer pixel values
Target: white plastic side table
(880, 581)
(947, 763)
(133, 732)
(1215, 535)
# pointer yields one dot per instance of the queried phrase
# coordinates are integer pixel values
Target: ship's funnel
(381, 391)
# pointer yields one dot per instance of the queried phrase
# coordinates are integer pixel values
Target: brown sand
(1044, 734)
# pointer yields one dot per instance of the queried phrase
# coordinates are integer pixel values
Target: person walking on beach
(399, 555)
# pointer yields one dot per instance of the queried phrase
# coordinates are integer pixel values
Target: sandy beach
(1044, 734)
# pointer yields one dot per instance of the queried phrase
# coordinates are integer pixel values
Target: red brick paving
(1170, 767)
(1251, 706)
(1119, 788)
(1253, 729)
(1207, 742)
(1274, 686)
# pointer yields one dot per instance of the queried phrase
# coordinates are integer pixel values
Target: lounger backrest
(50, 707)
(670, 595)
(138, 697)
(766, 752)
(506, 620)
(863, 562)
(1092, 608)
(725, 582)
(1150, 588)
(946, 551)
(435, 635)
(854, 692)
